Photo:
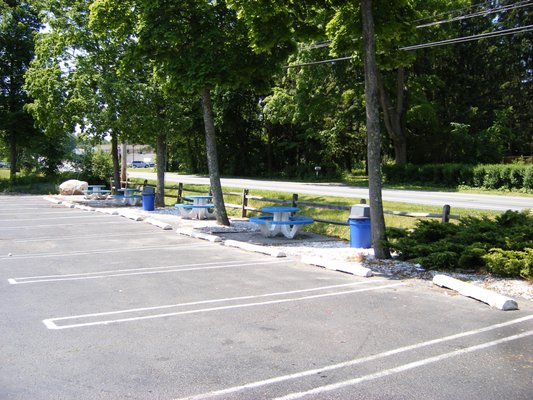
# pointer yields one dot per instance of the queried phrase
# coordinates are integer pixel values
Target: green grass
(31, 184)
(334, 215)
(35, 184)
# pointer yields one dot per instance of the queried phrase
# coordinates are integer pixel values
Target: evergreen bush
(489, 176)
(479, 244)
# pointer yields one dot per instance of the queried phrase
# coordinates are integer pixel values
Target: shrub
(475, 243)
(528, 178)
(494, 176)
(510, 263)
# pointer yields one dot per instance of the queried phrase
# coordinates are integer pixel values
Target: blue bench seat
(288, 228)
(294, 220)
(132, 199)
(190, 206)
(196, 211)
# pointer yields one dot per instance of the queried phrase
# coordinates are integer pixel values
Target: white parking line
(299, 375)
(51, 322)
(107, 251)
(405, 367)
(43, 211)
(91, 236)
(83, 215)
(118, 221)
(140, 271)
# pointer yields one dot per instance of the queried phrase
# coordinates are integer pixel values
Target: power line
(463, 39)
(478, 14)
(509, 7)
(453, 11)
(331, 60)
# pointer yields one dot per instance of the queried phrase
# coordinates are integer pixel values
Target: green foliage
(94, 166)
(18, 26)
(510, 263)
(473, 244)
(496, 176)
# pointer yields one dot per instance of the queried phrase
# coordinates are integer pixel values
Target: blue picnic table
(281, 221)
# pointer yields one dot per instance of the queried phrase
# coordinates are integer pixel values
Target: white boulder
(72, 186)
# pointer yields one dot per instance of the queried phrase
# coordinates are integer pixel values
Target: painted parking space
(161, 316)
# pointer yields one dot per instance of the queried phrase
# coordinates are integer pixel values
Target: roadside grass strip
(139, 314)
(107, 251)
(224, 393)
(140, 271)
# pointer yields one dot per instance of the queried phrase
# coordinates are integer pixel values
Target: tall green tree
(469, 101)
(75, 78)
(199, 46)
(19, 24)
(346, 22)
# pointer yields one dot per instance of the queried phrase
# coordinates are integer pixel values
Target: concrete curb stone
(255, 248)
(198, 235)
(342, 266)
(469, 290)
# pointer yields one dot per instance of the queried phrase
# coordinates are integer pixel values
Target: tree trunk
(114, 155)
(161, 150)
(12, 156)
(123, 162)
(394, 116)
(377, 219)
(268, 128)
(212, 159)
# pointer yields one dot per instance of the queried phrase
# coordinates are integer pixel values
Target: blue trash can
(148, 202)
(360, 233)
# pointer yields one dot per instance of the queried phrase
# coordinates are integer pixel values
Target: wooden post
(294, 199)
(244, 202)
(446, 213)
(180, 193)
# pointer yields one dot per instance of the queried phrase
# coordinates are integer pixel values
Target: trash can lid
(148, 190)
(360, 211)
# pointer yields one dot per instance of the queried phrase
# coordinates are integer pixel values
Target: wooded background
(133, 70)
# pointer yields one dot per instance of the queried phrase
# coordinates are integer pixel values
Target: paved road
(100, 307)
(455, 200)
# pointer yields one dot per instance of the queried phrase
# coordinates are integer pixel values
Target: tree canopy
(137, 70)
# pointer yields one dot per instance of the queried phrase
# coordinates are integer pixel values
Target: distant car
(139, 164)
(4, 164)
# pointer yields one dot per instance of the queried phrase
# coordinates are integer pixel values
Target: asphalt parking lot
(101, 307)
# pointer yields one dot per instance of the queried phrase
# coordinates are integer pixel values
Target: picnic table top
(276, 209)
(96, 191)
(197, 197)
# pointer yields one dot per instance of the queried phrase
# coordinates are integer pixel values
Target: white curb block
(255, 248)
(52, 199)
(160, 224)
(469, 290)
(85, 208)
(342, 266)
(198, 235)
(130, 215)
(68, 204)
(108, 211)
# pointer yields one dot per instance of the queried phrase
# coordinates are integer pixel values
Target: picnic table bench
(198, 209)
(282, 221)
(96, 192)
(128, 197)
